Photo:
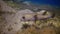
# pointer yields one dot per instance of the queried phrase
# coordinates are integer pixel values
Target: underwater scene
(29, 16)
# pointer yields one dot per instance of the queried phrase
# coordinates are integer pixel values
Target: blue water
(47, 2)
